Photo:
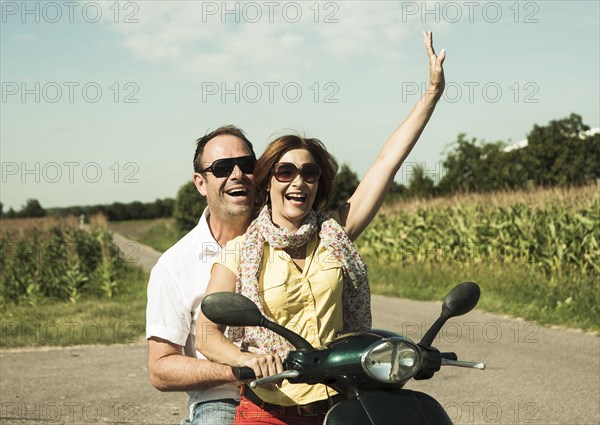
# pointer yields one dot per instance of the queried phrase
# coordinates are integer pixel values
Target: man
(224, 165)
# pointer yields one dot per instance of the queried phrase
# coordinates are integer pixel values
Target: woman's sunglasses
(224, 167)
(285, 172)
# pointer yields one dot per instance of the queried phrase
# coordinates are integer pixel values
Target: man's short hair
(202, 141)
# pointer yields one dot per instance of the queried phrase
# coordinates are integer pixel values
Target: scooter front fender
(399, 407)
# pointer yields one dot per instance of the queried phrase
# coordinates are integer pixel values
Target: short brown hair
(277, 148)
(202, 141)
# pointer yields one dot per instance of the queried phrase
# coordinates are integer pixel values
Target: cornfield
(48, 258)
(552, 233)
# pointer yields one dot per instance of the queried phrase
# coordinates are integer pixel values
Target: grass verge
(160, 233)
(572, 300)
(91, 320)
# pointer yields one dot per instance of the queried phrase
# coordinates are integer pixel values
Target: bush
(189, 206)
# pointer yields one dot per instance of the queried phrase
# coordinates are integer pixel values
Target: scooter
(367, 368)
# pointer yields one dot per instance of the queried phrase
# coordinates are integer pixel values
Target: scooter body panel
(340, 362)
(401, 407)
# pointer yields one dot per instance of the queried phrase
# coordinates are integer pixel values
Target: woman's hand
(436, 70)
(262, 364)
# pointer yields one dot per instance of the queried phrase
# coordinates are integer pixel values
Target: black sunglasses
(285, 172)
(224, 167)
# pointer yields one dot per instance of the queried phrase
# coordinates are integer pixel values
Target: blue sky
(102, 101)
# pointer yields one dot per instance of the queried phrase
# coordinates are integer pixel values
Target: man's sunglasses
(285, 172)
(224, 167)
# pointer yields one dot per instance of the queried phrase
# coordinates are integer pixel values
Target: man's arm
(170, 370)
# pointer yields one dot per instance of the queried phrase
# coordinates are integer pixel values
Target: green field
(91, 320)
(65, 285)
(535, 254)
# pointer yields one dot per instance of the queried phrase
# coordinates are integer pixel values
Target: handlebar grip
(243, 373)
(449, 356)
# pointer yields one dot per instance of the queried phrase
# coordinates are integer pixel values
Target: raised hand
(436, 62)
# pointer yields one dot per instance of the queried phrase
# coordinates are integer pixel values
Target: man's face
(230, 196)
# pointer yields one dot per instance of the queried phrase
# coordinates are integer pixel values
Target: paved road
(142, 255)
(535, 375)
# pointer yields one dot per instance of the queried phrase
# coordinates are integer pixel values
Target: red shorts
(250, 413)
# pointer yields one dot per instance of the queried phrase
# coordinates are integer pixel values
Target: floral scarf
(356, 296)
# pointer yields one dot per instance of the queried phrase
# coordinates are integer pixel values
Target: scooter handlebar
(246, 374)
(278, 376)
(449, 356)
(243, 373)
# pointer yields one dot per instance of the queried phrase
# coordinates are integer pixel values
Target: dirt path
(535, 375)
(142, 255)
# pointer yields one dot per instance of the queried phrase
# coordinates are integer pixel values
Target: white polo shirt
(177, 285)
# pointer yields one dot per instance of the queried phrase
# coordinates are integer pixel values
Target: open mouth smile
(296, 198)
(237, 192)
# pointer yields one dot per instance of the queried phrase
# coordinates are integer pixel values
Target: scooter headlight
(392, 360)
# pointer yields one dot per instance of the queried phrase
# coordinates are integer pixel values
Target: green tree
(164, 207)
(118, 211)
(590, 156)
(11, 213)
(497, 169)
(346, 182)
(478, 166)
(397, 188)
(397, 191)
(460, 166)
(420, 185)
(136, 210)
(189, 205)
(561, 154)
(32, 208)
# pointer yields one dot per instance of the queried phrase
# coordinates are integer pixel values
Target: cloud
(265, 39)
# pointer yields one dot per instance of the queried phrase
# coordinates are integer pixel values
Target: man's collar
(210, 247)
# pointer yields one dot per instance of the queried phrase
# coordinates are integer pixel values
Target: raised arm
(211, 342)
(362, 206)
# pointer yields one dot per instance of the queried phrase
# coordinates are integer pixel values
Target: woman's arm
(211, 342)
(362, 206)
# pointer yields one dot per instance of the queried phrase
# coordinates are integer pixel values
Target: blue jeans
(214, 412)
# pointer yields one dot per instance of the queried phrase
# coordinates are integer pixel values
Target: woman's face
(292, 201)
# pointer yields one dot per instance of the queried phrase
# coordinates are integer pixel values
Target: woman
(300, 266)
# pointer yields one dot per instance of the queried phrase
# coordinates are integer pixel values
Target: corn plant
(59, 262)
